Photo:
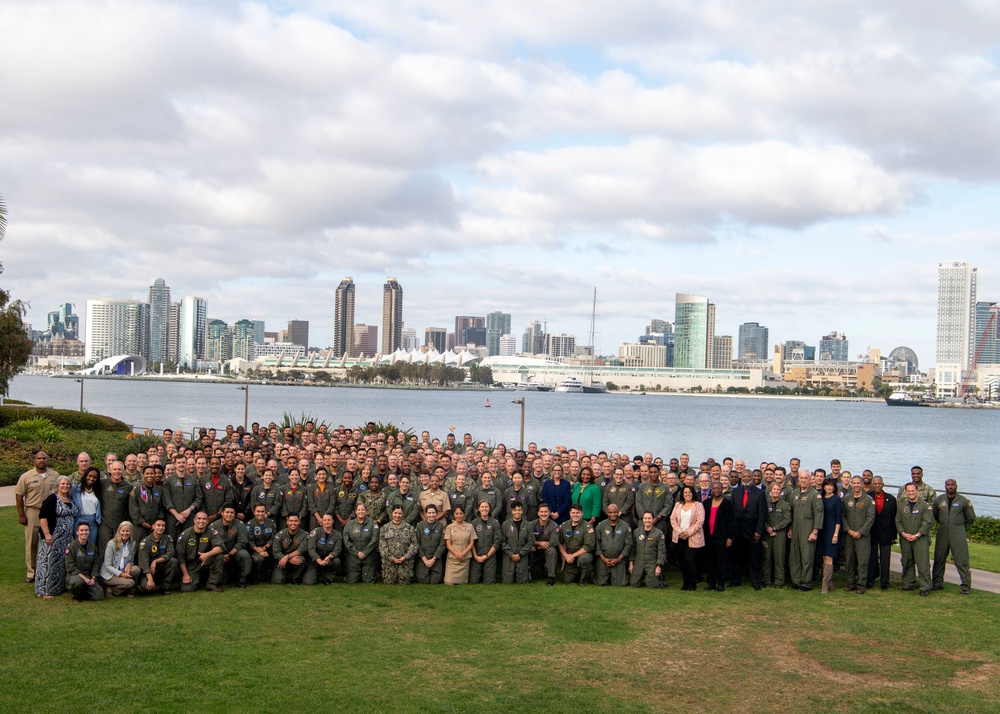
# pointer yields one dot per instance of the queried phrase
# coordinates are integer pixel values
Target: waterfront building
(218, 341)
(192, 331)
(722, 352)
(243, 340)
(392, 315)
(648, 354)
(694, 330)
(436, 337)
(752, 341)
(159, 322)
(507, 345)
(990, 344)
(343, 317)
(298, 332)
(955, 324)
(834, 348)
(497, 325)
(409, 337)
(365, 341)
(116, 326)
(277, 349)
(560, 346)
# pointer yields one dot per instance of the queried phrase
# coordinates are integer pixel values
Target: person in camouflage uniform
(375, 501)
(924, 492)
(397, 545)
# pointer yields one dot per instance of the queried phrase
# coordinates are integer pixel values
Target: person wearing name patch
(145, 504)
(576, 547)
(483, 568)
(613, 547)
(430, 548)
(953, 513)
(260, 533)
(361, 547)
(397, 546)
(324, 548)
(199, 555)
(289, 549)
(859, 516)
(156, 561)
(518, 538)
(83, 565)
(233, 535)
(914, 522)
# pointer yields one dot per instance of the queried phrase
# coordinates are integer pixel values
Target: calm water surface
(946, 442)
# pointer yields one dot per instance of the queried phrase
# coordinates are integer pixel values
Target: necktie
(746, 496)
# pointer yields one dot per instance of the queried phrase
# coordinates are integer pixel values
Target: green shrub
(37, 429)
(16, 456)
(65, 418)
(986, 529)
(136, 443)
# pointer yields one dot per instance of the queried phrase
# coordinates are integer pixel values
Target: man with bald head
(807, 520)
(82, 464)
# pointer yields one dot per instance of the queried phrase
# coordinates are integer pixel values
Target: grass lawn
(480, 649)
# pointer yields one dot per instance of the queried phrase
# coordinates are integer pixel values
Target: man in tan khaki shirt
(32, 488)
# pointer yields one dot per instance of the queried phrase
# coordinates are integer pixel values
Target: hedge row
(986, 530)
(65, 418)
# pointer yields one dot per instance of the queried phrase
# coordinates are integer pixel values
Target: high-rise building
(955, 323)
(116, 327)
(392, 316)
(799, 351)
(409, 338)
(436, 337)
(834, 348)
(298, 332)
(497, 325)
(643, 354)
(343, 318)
(218, 341)
(694, 328)
(159, 321)
(174, 333)
(560, 346)
(990, 340)
(193, 331)
(258, 331)
(243, 340)
(466, 322)
(508, 346)
(752, 341)
(365, 341)
(71, 322)
(474, 336)
(722, 352)
(658, 327)
(533, 342)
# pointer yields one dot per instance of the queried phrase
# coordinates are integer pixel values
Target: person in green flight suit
(613, 548)
(199, 554)
(325, 545)
(483, 568)
(156, 559)
(576, 546)
(859, 515)
(260, 534)
(361, 546)
(648, 555)
(83, 564)
(914, 522)
(775, 544)
(517, 539)
(289, 552)
(430, 548)
(807, 520)
(953, 513)
(545, 551)
(235, 555)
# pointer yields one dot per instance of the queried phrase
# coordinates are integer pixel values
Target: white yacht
(570, 384)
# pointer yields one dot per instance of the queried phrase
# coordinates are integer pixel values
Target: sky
(805, 166)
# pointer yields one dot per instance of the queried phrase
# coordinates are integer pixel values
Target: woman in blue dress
(55, 525)
(828, 542)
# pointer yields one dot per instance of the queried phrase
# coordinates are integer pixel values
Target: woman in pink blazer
(687, 520)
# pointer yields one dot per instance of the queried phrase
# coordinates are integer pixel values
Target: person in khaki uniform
(859, 515)
(914, 522)
(775, 543)
(953, 513)
(613, 547)
(33, 487)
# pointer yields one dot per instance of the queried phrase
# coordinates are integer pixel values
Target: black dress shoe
(720, 589)
(885, 586)
(756, 587)
(925, 593)
(550, 582)
(805, 588)
(966, 590)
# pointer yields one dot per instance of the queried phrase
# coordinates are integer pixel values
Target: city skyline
(805, 167)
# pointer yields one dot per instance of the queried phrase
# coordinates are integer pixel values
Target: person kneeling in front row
(199, 554)
(289, 550)
(324, 548)
(83, 566)
(119, 572)
(156, 559)
(576, 546)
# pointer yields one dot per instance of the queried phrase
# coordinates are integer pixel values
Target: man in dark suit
(883, 534)
(749, 515)
(719, 532)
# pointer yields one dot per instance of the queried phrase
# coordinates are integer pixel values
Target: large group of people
(310, 505)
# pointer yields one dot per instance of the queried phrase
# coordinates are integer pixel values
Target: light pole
(81, 392)
(246, 404)
(521, 402)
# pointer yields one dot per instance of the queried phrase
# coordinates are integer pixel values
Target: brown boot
(827, 577)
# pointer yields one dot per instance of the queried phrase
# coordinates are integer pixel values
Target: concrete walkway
(981, 579)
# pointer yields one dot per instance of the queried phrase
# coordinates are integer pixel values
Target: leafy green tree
(15, 347)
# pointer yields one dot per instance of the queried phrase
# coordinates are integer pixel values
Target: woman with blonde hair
(119, 571)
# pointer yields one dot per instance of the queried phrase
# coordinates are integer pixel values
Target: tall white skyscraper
(116, 326)
(192, 331)
(955, 324)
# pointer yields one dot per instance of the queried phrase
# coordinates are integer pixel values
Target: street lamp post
(81, 392)
(521, 402)
(246, 404)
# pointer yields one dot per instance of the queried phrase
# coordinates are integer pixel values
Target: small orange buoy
(487, 405)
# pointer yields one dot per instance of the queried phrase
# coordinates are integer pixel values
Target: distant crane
(963, 390)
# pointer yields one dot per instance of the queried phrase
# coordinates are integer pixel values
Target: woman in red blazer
(687, 519)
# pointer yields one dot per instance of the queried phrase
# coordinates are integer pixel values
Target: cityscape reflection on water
(946, 442)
